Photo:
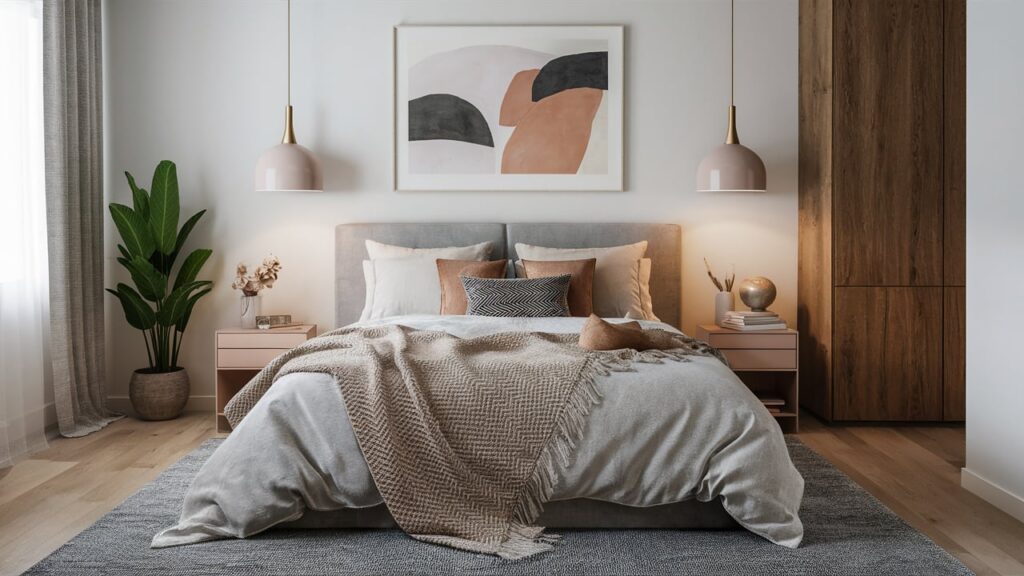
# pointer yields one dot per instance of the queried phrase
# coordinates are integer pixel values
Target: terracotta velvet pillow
(581, 286)
(598, 334)
(453, 295)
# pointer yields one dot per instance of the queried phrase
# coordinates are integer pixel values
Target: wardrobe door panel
(954, 247)
(888, 354)
(814, 277)
(888, 142)
(954, 354)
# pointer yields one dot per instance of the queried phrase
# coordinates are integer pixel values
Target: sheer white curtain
(23, 269)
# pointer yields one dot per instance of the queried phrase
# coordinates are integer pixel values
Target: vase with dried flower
(725, 302)
(252, 284)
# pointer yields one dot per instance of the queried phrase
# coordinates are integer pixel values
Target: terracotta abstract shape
(553, 136)
(518, 98)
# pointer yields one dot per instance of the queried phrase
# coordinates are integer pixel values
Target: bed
(670, 445)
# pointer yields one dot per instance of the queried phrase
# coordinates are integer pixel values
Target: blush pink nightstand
(241, 353)
(767, 363)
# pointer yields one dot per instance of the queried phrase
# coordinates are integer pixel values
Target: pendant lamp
(731, 167)
(289, 167)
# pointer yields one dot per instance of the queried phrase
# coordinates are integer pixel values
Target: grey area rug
(847, 532)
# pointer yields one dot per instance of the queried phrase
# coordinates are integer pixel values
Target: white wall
(995, 253)
(203, 84)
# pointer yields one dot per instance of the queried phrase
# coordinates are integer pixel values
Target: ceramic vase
(724, 302)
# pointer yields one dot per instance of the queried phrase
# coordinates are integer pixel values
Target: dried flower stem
(264, 276)
(729, 280)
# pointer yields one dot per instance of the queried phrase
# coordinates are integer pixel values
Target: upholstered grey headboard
(664, 249)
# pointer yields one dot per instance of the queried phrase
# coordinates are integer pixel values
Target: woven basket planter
(160, 395)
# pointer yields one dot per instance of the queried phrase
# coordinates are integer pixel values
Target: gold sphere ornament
(758, 293)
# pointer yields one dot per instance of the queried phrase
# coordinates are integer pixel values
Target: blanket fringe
(524, 539)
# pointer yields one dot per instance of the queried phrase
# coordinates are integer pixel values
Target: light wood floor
(46, 500)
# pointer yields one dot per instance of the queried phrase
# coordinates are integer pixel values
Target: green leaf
(161, 263)
(151, 283)
(140, 198)
(124, 251)
(183, 321)
(164, 206)
(186, 229)
(136, 311)
(138, 239)
(173, 309)
(190, 267)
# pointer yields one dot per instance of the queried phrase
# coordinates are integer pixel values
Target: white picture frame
(454, 86)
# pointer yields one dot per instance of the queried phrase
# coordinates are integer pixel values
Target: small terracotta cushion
(597, 334)
(453, 295)
(581, 286)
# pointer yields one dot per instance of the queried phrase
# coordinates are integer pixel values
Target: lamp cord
(289, 52)
(732, 52)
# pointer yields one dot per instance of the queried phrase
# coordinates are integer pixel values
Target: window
(23, 272)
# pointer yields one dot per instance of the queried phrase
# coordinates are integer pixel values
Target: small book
(773, 401)
(753, 328)
(288, 325)
(750, 320)
(751, 313)
(755, 321)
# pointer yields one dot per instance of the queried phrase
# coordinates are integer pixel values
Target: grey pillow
(517, 297)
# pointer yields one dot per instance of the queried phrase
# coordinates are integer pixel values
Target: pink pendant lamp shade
(289, 167)
(731, 167)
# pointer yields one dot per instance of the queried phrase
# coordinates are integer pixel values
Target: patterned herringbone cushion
(517, 297)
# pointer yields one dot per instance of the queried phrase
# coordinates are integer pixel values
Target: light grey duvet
(661, 434)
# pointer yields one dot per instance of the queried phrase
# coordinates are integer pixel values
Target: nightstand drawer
(753, 340)
(761, 359)
(267, 340)
(255, 358)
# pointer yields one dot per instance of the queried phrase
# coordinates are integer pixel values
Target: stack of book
(774, 405)
(750, 321)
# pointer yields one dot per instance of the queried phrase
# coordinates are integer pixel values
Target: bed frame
(664, 250)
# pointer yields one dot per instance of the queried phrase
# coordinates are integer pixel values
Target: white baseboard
(123, 404)
(992, 493)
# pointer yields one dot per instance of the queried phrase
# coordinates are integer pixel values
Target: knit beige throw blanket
(462, 436)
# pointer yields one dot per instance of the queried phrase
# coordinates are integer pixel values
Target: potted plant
(150, 245)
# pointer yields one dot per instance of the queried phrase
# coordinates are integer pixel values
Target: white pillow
(617, 278)
(379, 251)
(399, 286)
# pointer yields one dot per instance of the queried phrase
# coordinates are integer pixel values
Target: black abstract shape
(586, 70)
(447, 117)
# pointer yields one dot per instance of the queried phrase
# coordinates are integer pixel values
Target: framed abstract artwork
(508, 107)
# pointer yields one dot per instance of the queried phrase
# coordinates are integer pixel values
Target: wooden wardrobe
(882, 209)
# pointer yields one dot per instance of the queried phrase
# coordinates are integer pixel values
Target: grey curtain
(73, 104)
